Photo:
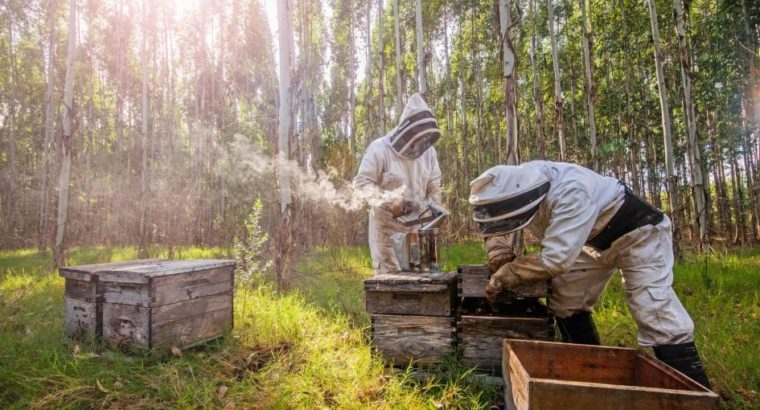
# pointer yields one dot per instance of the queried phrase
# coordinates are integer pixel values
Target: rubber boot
(684, 358)
(578, 328)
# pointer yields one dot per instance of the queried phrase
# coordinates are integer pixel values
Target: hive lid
(410, 281)
(143, 273)
(85, 272)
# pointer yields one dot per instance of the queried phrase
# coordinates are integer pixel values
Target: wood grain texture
(472, 281)
(82, 290)
(191, 285)
(144, 273)
(411, 281)
(190, 330)
(421, 294)
(481, 337)
(81, 319)
(126, 325)
(181, 310)
(546, 375)
(424, 339)
(84, 272)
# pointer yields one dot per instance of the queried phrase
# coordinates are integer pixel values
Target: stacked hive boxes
(413, 315)
(150, 304)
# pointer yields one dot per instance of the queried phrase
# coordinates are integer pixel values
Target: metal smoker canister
(429, 249)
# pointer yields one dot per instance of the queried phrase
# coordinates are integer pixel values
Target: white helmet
(417, 130)
(506, 198)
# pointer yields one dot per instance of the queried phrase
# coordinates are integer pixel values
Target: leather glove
(399, 207)
(497, 294)
(524, 269)
(497, 261)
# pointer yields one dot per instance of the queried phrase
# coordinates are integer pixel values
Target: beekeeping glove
(523, 269)
(400, 207)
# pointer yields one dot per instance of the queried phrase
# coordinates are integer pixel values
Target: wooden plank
(516, 380)
(81, 319)
(551, 394)
(191, 330)
(440, 303)
(472, 281)
(84, 272)
(181, 310)
(127, 293)
(651, 372)
(82, 290)
(424, 339)
(480, 337)
(167, 294)
(126, 325)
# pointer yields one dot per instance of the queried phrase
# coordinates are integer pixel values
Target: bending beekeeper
(589, 225)
(403, 160)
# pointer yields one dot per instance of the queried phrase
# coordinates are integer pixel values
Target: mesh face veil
(415, 135)
(506, 199)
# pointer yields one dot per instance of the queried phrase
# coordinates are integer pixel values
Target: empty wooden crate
(167, 303)
(481, 331)
(83, 317)
(546, 375)
(412, 293)
(472, 281)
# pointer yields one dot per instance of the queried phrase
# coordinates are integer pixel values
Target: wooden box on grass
(544, 375)
(412, 293)
(83, 298)
(167, 303)
(472, 281)
(422, 339)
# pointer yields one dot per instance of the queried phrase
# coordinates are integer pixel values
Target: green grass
(310, 348)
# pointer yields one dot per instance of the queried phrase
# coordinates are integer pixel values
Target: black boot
(684, 358)
(579, 328)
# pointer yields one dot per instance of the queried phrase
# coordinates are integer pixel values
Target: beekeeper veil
(417, 130)
(506, 198)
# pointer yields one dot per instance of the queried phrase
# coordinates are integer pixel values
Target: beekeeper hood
(506, 198)
(417, 130)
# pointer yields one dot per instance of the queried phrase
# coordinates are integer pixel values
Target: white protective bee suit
(389, 165)
(574, 207)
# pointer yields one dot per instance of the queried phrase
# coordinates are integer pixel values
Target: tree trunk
(143, 248)
(66, 140)
(10, 196)
(421, 73)
(284, 240)
(509, 68)
(672, 179)
(588, 50)
(558, 120)
(368, 94)
(381, 64)
(537, 95)
(399, 99)
(698, 188)
(48, 139)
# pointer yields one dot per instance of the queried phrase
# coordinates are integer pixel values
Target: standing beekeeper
(403, 161)
(588, 225)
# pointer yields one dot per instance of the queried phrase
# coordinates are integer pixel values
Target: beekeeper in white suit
(589, 226)
(405, 157)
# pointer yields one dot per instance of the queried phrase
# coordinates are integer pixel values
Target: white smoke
(320, 186)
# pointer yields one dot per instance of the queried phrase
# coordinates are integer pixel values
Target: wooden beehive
(167, 303)
(472, 281)
(83, 298)
(545, 375)
(412, 293)
(481, 331)
(413, 315)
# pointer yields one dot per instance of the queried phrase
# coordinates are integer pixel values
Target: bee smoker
(428, 244)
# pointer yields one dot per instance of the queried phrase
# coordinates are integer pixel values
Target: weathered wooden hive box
(83, 298)
(413, 315)
(162, 304)
(481, 331)
(544, 375)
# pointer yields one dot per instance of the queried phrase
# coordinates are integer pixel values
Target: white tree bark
(698, 188)
(399, 99)
(66, 140)
(509, 66)
(48, 139)
(537, 96)
(672, 178)
(421, 73)
(285, 35)
(381, 64)
(589, 66)
(558, 120)
(142, 252)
